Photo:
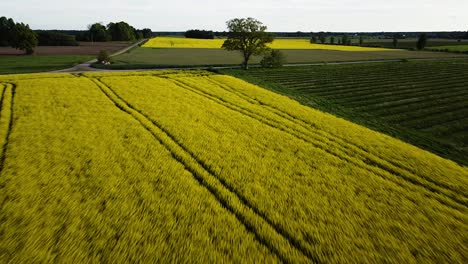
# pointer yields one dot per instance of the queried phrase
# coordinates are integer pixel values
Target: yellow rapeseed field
(191, 166)
(183, 43)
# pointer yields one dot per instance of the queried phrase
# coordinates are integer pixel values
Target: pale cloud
(294, 15)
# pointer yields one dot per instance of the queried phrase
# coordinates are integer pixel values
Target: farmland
(410, 43)
(424, 103)
(140, 58)
(30, 64)
(50, 58)
(457, 48)
(85, 48)
(291, 44)
(176, 166)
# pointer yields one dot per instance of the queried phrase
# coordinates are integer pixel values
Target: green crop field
(424, 103)
(192, 166)
(31, 64)
(410, 43)
(457, 48)
(151, 58)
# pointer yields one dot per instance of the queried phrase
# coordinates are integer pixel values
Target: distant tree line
(323, 38)
(20, 35)
(17, 35)
(199, 34)
(120, 31)
(378, 35)
(381, 35)
(51, 38)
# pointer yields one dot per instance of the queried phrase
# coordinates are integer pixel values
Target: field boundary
(266, 232)
(368, 165)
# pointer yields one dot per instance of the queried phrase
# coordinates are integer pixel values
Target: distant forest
(382, 35)
(83, 34)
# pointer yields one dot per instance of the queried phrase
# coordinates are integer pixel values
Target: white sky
(278, 15)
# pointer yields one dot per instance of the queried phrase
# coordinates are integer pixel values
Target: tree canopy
(422, 41)
(120, 31)
(147, 33)
(322, 37)
(248, 36)
(199, 34)
(50, 38)
(7, 26)
(273, 59)
(98, 32)
(17, 35)
(24, 38)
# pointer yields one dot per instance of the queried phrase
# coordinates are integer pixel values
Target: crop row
(423, 109)
(415, 106)
(447, 128)
(416, 97)
(434, 118)
(371, 68)
(334, 87)
(382, 91)
(337, 79)
(356, 77)
(338, 82)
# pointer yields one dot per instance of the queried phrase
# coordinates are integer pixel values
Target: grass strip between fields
(277, 240)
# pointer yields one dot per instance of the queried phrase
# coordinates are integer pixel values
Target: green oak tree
(247, 35)
(24, 38)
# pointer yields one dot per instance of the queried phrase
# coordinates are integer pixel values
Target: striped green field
(425, 103)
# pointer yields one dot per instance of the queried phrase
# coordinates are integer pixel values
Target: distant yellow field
(185, 43)
(305, 44)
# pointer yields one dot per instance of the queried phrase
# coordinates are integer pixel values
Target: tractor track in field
(372, 164)
(6, 104)
(272, 236)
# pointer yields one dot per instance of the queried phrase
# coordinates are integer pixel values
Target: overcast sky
(278, 15)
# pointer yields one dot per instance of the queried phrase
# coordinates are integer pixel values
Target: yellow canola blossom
(184, 43)
(305, 44)
(172, 166)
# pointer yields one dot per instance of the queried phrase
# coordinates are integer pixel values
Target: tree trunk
(245, 64)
